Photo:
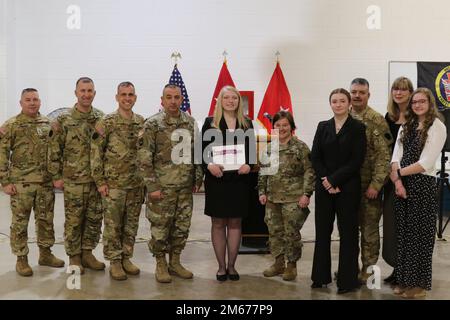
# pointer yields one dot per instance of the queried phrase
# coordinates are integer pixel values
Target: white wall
(323, 44)
(3, 76)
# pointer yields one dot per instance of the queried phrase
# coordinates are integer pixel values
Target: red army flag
(224, 80)
(276, 98)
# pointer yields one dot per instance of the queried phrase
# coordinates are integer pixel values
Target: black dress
(416, 221)
(338, 157)
(228, 196)
(389, 233)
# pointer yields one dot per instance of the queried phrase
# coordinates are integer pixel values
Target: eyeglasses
(422, 101)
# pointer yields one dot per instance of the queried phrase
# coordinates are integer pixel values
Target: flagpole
(175, 56)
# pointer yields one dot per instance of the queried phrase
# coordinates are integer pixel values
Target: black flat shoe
(221, 277)
(346, 290)
(316, 285)
(233, 276)
(343, 291)
(390, 279)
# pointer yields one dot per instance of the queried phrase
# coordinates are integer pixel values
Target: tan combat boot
(363, 276)
(277, 268)
(46, 258)
(161, 273)
(89, 261)
(76, 261)
(22, 266)
(116, 271)
(129, 267)
(175, 267)
(291, 271)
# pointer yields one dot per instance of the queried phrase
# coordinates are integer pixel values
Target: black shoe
(233, 276)
(342, 290)
(335, 276)
(316, 285)
(346, 290)
(221, 277)
(390, 279)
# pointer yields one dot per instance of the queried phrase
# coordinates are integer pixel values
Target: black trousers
(345, 206)
(389, 225)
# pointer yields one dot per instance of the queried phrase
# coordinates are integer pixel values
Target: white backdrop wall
(323, 44)
(3, 57)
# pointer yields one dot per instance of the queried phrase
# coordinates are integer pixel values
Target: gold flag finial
(225, 54)
(175, 56)
(278, 54)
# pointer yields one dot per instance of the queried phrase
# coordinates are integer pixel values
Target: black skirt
(228, 196)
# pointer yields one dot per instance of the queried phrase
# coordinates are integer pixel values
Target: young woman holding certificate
(226, 136)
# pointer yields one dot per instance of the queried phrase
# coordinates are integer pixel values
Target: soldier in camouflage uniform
(374, 172)
(26, 142)
(286, 196)
(82, 202)
(115, 172)
(169, 184)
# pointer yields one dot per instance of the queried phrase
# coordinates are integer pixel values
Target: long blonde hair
(392, 107)
(239, 112)
(412, 118)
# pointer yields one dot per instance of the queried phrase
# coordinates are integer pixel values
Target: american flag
(176, 79)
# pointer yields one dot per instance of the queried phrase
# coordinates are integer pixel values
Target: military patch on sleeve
(95, 135)
(50, 133)
(388, 136)
(141, 133)
(141, 141)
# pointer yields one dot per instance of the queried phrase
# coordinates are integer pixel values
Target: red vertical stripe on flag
(224, 80)
(276, 98)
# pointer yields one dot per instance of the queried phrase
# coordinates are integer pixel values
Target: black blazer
(339, 157)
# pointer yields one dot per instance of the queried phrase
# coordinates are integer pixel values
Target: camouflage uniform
(374, 173)
(170, 217)
(284, 218)
(26, 145)
(114, 163)
(82, 203)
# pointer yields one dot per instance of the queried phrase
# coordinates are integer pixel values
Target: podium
(255, 235)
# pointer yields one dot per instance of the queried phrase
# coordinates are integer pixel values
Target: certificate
(231, 157)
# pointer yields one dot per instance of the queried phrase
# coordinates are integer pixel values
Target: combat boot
(277, 268)
(76, 261)
(89, 261)
(116, 271)
(161, 273)
(175, 267)
(46, 258)
(291, 271)
(129, 267)
(22, 266)
(363, 276)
